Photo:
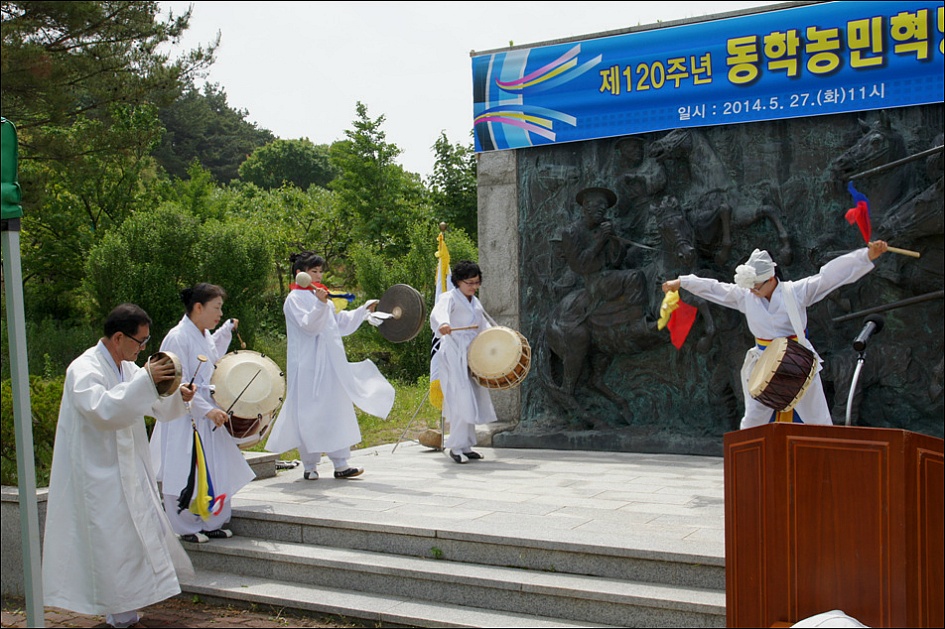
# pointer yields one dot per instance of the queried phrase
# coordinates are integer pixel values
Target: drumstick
(239, 396)
(465, 327)
(202, 360)
(903, 252)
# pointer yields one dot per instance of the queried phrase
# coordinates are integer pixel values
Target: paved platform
(658, 502)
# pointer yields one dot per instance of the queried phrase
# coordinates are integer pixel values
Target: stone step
(378, 610)
(526, 550)
(585, 599)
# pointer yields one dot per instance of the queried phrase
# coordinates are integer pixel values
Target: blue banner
(801, 61)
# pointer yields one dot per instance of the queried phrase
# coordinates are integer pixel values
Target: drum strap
(790, 302)
(763, 343)
(786, 417)
(489, 318)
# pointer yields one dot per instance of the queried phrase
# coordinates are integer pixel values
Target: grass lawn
(410, 403)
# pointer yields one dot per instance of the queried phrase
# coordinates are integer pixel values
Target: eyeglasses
(472, 282)
(140, 343)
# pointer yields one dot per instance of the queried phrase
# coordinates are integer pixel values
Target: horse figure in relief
(712, 200)
(617, 309)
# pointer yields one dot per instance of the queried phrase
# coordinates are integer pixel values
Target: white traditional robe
(466, 403)
(108, 546)
(172, 442)
(322, 387)
(770, 319)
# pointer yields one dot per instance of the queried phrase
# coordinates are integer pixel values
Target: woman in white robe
(466, 403)
(766, 303)
(172, 442)
(322, 387)
(108, 546)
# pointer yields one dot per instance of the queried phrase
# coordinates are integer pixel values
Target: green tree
(151, 258)
(378, 196)
(62, 61)
(75, 201)
(453, 196)
(202, 126)
(82, 81)
(293, 220)
(297, 162)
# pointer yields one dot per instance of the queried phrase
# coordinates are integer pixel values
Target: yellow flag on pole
(443, 274)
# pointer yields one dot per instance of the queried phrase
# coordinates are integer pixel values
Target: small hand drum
(254, 386)
(167, 387)
(782, 374)
(499, 358)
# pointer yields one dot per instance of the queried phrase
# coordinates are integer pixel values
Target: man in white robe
(322, 387)
(466, 403)
(108, 548)
(765, 301)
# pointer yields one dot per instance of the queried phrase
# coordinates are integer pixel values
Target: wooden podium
(819, 518)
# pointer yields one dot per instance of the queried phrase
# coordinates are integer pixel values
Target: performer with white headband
(774, 308)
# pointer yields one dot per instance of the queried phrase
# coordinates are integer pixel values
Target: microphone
(874, 324)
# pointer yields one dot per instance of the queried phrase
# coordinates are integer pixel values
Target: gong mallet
(304, 280)
(242, 342)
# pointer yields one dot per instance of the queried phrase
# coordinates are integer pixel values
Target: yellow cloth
(200, 505)
(436, 395)
(443, 265)
(670, 303)
(340, 303)
(442, 285)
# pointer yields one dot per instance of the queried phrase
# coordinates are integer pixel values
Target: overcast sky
(299, 68)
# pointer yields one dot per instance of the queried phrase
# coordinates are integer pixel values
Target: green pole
(20, 378)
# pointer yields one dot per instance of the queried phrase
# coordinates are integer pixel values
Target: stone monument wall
(583, 283)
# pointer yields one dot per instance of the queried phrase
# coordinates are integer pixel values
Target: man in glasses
(109, 549)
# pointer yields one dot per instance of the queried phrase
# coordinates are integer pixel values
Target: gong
(408, 313)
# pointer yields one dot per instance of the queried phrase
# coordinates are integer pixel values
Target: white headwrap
(758, 268)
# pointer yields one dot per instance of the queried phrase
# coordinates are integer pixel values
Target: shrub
(153, 256)
(45, 396)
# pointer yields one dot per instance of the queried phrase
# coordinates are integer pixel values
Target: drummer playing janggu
(769, 304)
(456, 319)
(322, 387)
(172, 443)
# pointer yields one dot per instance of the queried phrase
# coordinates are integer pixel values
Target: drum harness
(794, 313)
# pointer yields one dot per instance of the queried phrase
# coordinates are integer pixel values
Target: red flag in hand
(680, 322)
(860, 215)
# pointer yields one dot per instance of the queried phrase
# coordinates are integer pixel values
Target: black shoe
(458, 458)
(474, 456)
(218, 533)
(195, 538)
(311, 475)
(351, 472)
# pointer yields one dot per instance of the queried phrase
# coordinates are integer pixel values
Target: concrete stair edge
(591, 588)
(270, 515)
(384, 609)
